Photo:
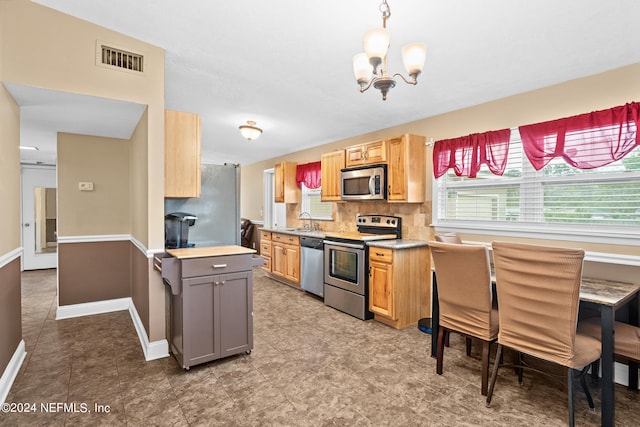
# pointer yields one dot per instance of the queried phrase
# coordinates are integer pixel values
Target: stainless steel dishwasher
(312, 272)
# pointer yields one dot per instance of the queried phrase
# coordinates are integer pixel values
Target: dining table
(604, 296)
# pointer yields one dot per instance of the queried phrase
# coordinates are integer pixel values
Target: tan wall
(10, 226)
(105, 163)
(32, 37)
(9, 172)
(595, 92)
(42, 47)
(138, 173)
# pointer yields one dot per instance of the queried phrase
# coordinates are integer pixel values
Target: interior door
(39, 217)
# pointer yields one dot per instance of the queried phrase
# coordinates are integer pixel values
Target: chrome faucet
(310, 225)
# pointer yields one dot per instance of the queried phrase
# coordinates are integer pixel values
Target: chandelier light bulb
(376, 44)
(362, 68)
(413, 57)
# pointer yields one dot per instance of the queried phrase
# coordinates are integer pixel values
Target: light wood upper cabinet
(285, 188)
(181, 154)
(369, 153)
(331, 164)
(406, 169)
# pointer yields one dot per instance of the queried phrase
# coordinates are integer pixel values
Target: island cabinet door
(235, 313)
(201, 331)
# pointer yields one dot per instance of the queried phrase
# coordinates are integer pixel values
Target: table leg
(607, 385)
(435, 314)
(633, 320)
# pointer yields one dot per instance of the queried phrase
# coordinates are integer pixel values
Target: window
(558, 199)
(311, 203)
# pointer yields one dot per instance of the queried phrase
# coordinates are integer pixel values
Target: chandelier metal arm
(414, 80)
(364, 88)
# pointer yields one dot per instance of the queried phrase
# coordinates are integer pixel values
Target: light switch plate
(85, 186)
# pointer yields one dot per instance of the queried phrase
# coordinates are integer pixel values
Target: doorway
(275, 214)
(39, 217)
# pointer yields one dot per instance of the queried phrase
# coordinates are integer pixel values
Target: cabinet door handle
(379, 254)
(219, 265)
(223, 282)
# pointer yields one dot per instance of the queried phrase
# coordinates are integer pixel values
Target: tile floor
(311, 366)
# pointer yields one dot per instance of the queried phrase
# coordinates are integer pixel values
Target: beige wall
(595, 92)
(9, 172)
(105, 163)
(138, 173)
(10, 226)
(44, 48)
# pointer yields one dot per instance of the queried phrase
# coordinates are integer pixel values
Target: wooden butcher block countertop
(208, 251)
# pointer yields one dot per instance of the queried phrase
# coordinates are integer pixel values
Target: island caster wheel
(248, 352)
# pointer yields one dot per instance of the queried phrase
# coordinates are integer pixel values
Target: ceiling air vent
(119, 58)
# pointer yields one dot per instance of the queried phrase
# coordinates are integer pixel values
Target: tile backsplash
(416, 217)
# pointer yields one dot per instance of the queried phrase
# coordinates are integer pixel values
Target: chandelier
(250, 130)
(370, 66)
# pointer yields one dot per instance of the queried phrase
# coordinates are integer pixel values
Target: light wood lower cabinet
(285, 257)
(281, 253)
(399, 292)
(265, 250)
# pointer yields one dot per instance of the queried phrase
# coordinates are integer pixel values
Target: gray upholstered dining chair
(448, 238)
(538, 289)
(465, 299)
(626, 342)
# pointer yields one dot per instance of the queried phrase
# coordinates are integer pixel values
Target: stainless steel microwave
(364, 183)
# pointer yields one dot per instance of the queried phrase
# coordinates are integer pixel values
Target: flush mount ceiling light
(250, 130)
(370, 66)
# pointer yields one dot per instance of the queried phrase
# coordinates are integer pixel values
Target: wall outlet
(85, 186)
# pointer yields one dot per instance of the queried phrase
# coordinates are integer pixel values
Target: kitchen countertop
(295, 231)
(398, 243)
(209, 251)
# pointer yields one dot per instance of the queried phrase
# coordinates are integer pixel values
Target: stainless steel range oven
(346, 262)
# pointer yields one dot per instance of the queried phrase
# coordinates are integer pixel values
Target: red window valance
(586, 141)
(309, 173)
(467, 153)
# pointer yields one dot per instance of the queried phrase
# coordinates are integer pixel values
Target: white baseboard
(152, 350)
(11, 371)
(90, 308)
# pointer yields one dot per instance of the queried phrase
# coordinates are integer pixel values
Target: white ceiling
(287, 63)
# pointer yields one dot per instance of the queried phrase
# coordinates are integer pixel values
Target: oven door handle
(342, 245)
